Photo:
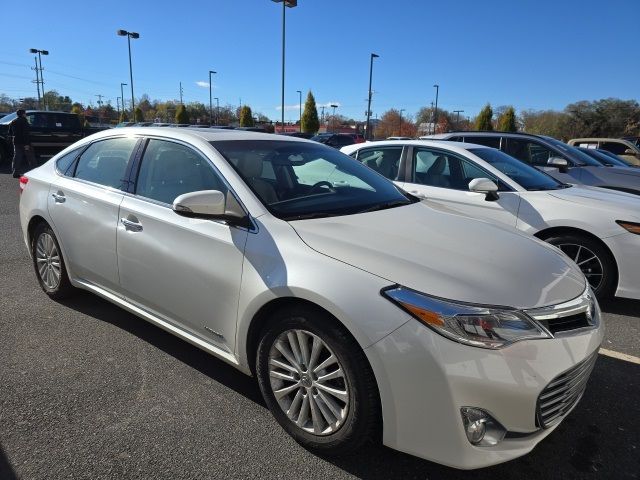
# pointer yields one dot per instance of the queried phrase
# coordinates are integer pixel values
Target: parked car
(634, 140)
(598, 229)
(355, 305)
(357, 137)
(623, 148)
(564, 162)
(124, 124)
(399, 138)
(335, 140)
(299, 135)
(50, 132)
(607, 159)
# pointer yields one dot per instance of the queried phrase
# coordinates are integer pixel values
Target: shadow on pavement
(621, 306)
(599, 439)
(205, 363)
(6, 471)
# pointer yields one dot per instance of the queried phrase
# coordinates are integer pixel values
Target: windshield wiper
(307, 216)
(384, 206)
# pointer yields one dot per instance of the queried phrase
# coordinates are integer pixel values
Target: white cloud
(328, 104)
(289, 107)
(318, 105)
(202, 84)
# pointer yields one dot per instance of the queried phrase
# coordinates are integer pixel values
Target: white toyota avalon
(365, 314)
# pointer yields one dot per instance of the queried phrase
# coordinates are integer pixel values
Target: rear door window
(105, 162)
(614, 147)
(529, 152)
(384, 160)
(493, 142)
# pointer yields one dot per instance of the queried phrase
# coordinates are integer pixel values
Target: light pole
(334, 106)
(285, 4)
(37, 80)
(458, 112)
(435, 115)
(373, 55)
(401, 110)
(211, 72)
(41, 52)
(130, 35)
(300, 105)
(122, 93)
(217, 110)
(118, 104)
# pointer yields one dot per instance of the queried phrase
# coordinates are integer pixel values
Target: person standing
(22, 152)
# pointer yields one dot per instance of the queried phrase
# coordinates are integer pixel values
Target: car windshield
(8, 118)
(603, 158)
(298, 180)
(576, 154)
(526, 176)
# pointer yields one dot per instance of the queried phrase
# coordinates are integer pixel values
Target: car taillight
(23, 183)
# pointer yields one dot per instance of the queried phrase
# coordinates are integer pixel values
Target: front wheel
(49, 264)
(596, 263)
(317, 382)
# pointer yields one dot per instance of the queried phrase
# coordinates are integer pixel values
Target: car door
(443, 177)
(186, 271)
(83, 204)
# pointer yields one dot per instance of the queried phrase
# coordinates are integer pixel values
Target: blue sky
(533, 54)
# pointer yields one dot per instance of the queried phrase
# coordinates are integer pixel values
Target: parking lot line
(620, 356)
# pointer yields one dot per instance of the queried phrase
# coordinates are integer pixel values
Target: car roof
(601, 139)
(458, 147)
(481, 133)
(206, 134)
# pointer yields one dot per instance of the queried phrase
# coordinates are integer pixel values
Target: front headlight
(476, 325)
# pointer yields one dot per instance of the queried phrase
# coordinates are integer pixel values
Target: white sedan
(364, 313)
(599, 229)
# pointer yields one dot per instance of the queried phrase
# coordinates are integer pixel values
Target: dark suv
(50, 132)
(335, 140)
(562, 161)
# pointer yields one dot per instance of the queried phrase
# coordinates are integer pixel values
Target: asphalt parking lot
(88, 390)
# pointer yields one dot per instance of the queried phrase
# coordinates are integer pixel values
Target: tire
(48, 263)
(603, 268)
(340, 425)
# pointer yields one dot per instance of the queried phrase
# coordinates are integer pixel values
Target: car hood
(447, 255)
(602, 199)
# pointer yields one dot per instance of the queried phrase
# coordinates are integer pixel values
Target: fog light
(481, 428)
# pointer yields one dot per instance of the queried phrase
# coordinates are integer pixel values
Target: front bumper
(626, 250)
(424, 379)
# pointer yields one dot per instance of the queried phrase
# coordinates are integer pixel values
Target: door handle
(59, 197)
(131, 226)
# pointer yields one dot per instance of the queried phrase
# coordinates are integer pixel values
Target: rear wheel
(49, 264)
(594, 260)
(317, 382)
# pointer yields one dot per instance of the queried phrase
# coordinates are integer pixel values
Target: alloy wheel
(48, 261)
(308, 382)
(588, 262)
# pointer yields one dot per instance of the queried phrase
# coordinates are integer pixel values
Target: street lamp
(401, 110)
(435, 114)
(285, 4)
(130, 35)
(122, 93)
(40, 52)
(300, 106)
(373, 55)
(334, 116)
(217, 110)
(458, 112)
(211, 72)
(118, 105)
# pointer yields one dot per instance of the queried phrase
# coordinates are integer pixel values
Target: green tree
(483, 120)
(507, 121)
(246, 117)
(310, 122)
(138, 115)
(181, 114)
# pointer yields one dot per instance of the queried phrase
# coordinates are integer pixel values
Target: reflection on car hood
(447, 255)
(601, 198)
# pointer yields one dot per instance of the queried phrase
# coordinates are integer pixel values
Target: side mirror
(212, 205)
(486, 186)
(559, 163)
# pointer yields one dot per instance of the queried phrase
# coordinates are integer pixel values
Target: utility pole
(118, 104)
(217, 110)
(99, 102)
(322, 107)
(37, 81)
(368, 132)
(432, 121)
(401, 110)
(181, 93)
(458, 112)
(437, 87)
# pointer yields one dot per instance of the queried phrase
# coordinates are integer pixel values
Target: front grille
(565, 324)
(563, 392)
